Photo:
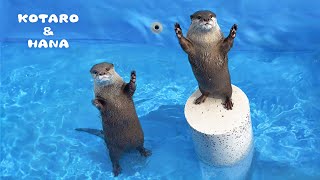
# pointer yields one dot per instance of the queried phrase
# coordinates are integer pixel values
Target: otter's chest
(207, 57)
(113, 96)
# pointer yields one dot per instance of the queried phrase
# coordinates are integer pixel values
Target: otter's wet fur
(121, 127)
(207, 51)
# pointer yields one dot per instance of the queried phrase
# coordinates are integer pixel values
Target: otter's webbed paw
(130, 87)
(178, 30)
(133, 78)
(97, 103)
(228, 104)
(144, 152)
(233, 31)
(200, 99)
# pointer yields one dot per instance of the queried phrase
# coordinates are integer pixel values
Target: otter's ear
(191, 17)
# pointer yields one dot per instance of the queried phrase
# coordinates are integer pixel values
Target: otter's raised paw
(200, 99)
(228, 104)
(133, 76)
(178, 30)
(233, 30)
(116, 170)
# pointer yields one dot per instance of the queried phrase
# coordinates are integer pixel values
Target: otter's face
(204, 20)
(102, 73)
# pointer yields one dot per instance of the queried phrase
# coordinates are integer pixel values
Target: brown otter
(121, 127)
(207, 51)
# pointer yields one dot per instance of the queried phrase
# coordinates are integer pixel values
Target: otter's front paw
(233, 31)
(133, 77)
(178, 30)
(97, 103)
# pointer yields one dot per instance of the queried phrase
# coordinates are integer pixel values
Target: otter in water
(121, 127)
(207, 51)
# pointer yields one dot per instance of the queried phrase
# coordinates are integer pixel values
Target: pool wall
(287, 25)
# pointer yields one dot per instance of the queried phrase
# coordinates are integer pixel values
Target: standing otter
(207, 51)
(121, 127)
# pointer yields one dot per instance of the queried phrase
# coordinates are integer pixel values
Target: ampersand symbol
(47, 31)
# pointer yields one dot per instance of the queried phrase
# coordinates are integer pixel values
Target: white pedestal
(221, 137)
(239, 171)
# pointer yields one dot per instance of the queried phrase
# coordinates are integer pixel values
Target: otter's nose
(102, 73)
(206, 19)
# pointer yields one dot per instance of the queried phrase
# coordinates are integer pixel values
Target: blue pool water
(46, 93)
(44, 100)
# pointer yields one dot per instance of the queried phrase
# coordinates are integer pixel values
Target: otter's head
(103, 73)
(204, 21)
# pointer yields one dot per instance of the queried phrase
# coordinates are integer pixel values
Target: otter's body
(207, 51)
(210, 66)
(121, 127)
(120, 122)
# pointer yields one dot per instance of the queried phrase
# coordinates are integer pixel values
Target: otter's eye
(211, 16)
(107, 69)
(199, 17)
(95, 72)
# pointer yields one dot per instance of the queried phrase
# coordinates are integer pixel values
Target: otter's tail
(96, 132)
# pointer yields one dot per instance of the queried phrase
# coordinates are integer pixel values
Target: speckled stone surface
(221, 137)
(238, 171)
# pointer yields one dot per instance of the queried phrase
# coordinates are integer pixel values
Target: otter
(207, 51)
(121, 127)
